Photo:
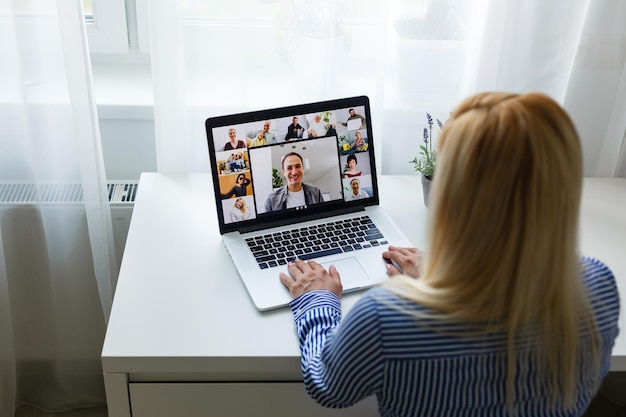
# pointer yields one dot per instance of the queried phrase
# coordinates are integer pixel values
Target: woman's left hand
(308, 276)
(410, 261)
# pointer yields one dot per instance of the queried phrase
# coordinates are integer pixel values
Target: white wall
(128, 147)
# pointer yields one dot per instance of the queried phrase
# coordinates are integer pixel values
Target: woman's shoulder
(596, 274)
(602, 290)
(416, 330)
(385, 301)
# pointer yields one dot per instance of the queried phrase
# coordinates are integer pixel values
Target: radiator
(17, 205)
(45, 249)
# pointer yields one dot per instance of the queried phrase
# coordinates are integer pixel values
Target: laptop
(300, 182)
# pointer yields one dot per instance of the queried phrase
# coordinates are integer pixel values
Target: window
(106, 21)
(106, 26)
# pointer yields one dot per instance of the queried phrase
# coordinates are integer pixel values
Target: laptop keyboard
(274, 249)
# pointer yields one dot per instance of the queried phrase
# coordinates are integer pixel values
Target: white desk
(185, 339)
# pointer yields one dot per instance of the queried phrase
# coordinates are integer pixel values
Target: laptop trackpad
(351, 272)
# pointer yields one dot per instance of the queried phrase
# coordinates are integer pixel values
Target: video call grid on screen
(329, 144)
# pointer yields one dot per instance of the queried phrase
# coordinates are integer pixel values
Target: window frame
(143, 37)
(107, 33)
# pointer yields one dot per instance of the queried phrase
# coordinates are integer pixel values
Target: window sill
(123, 90)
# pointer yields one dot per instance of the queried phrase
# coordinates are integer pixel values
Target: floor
(29, 411)
(603, 407)
(611, 400)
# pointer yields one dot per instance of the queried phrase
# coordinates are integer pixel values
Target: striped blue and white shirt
(416, 371)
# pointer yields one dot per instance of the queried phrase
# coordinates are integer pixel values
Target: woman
(352, 171)
(240, 189)
(233, 142)
(239, 211)
(259, 140)
(501, 317)
(359, 144)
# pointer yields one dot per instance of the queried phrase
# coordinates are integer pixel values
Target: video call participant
(233, 142)
(359, 144)
(352, 171)
(259, 140)
(269, 135)
(240, 188)
(294, 130)
(353, 116)
(318, 127)
(295, 193)
(240, 210)
(356, 193)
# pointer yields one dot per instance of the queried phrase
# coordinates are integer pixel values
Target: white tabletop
(180, 307)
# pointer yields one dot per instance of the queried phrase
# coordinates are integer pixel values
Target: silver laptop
(300, 182)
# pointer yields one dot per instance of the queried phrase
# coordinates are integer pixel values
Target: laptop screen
(283, 165)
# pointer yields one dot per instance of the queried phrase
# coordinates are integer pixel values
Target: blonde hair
(244, 206)
(503, 244)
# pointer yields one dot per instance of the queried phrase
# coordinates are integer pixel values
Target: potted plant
(277, 178)
(426, 162)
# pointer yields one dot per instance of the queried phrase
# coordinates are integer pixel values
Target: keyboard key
(265, 258)
(318, 254)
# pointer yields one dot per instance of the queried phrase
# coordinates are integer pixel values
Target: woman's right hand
(408, 260)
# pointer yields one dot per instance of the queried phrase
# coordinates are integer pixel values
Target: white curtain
(57, 260)
(211, 58)
(409, 56)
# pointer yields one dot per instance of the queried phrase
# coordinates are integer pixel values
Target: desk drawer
(237, 399)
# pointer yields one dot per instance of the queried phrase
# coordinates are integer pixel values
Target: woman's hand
(409, 260)
(309, 276)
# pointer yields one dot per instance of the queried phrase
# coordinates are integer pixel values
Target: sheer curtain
(211, 58)
(572, 50)
(57, 260)
(409, 56)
